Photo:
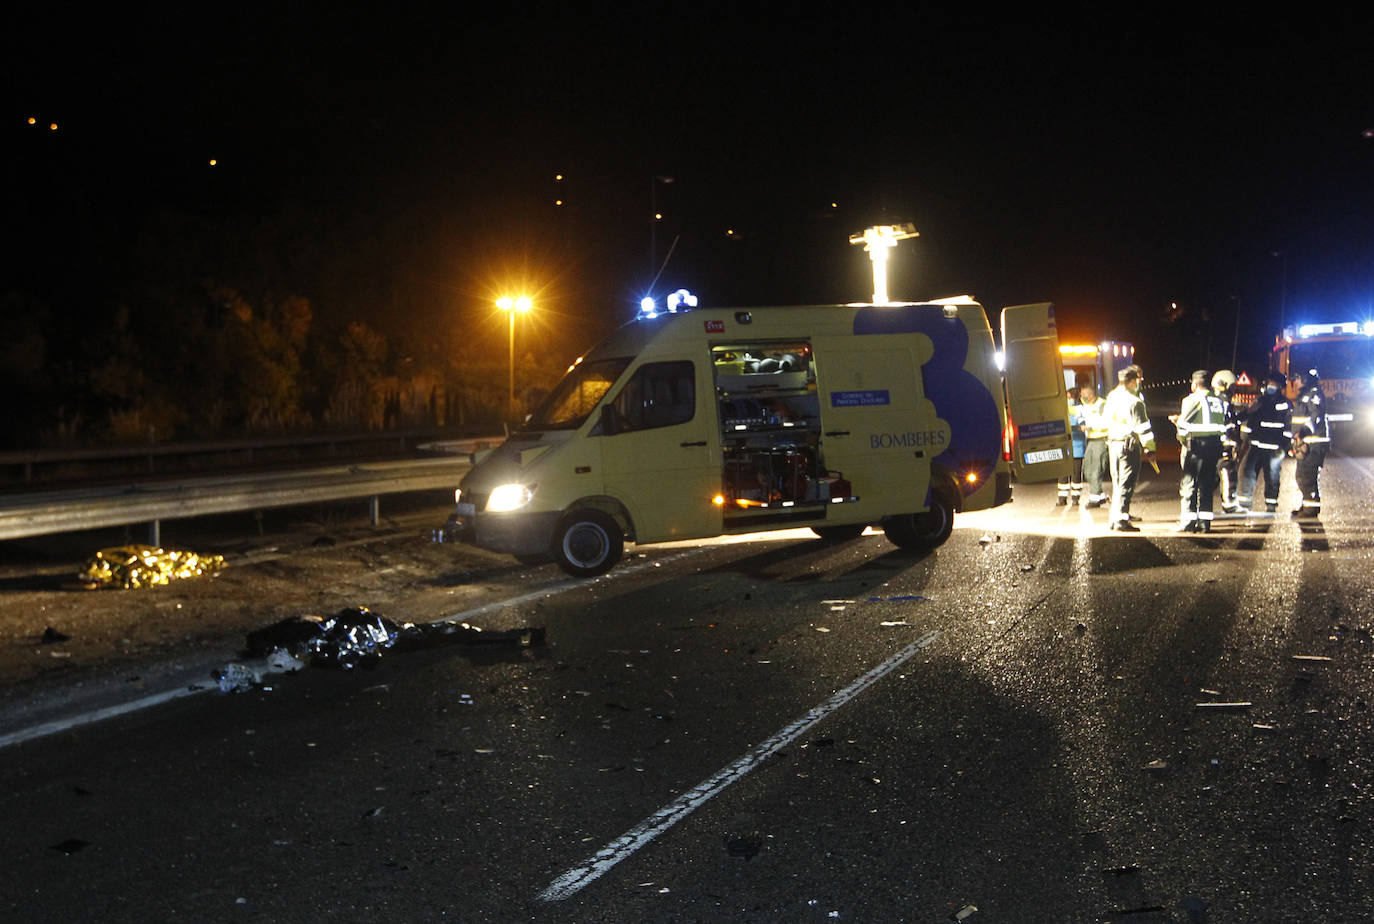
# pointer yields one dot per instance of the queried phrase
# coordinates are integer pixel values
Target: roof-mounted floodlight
(681, 300)
(877, 241)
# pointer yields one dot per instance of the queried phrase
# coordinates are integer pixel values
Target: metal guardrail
(405, 439)
(52, 512)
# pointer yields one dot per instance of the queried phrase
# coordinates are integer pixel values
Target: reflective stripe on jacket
(1094, 414)
(1126, 417)
(1201, 414)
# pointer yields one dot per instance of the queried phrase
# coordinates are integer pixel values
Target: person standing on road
(1267, 427)
(1311, 439)
(1201, 423)
(1096, 469)
(1228, 469)
(1071, 489)
(1129, 436)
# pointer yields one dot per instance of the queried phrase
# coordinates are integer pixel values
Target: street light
(511, 306)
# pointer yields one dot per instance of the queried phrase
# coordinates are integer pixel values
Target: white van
(717, 421)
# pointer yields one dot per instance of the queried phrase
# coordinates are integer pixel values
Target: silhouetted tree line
(157, 341)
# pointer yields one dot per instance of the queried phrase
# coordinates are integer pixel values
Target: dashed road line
(579, 877)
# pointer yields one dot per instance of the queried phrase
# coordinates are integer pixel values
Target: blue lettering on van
(959, 396)
(921, 439)
(1035, 431)
(859, 398)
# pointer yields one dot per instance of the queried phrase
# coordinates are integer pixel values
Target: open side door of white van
(1037, 404)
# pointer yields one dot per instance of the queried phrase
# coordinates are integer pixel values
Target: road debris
(133, 566)
(71, 845)
(964, 913)
(745, 848)
(51, 636)
(357, 636)
(1157, 765)
(1310, 658)
(1223, 706)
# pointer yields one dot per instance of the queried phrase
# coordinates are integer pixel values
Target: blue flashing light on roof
(647, 308)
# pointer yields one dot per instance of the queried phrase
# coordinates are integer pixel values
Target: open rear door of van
(1037, 404)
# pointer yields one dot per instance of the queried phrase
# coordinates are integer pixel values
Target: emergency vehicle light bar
(1323, 330)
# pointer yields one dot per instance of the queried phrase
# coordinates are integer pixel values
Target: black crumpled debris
(356, 637)
(350, 638)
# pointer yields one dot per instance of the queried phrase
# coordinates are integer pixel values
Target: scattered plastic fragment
(1265, 728)
(899, 598)
(745, 848)
(1196, 908)
(964, 913)
(133, 566)
(895, 622)
(1206, 692)
(51, 635)
(1028, 567)
(71, 845)
(1157, 765)
(1310, 658)
(822, 629)
(1223, 705)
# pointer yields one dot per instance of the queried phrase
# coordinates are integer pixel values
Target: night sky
(1111, 167)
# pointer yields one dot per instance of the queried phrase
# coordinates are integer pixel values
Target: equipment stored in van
(692, 424)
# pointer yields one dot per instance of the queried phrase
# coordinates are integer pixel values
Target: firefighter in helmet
(1311, 439)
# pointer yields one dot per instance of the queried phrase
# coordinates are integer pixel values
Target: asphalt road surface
(1041, 721)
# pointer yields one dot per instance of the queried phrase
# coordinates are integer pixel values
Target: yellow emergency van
(691, 424)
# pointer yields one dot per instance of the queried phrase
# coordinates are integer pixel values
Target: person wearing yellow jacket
(1096, 465)
(1129, 437)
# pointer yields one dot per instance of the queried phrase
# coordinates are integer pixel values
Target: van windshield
(576, 395)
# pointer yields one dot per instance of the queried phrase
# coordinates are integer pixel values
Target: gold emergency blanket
(130, 566)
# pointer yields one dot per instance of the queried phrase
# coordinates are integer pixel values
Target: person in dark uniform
(1267, 428)
(1311, 439)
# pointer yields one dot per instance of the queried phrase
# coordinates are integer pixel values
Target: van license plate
(466, 510)
(1045, 455)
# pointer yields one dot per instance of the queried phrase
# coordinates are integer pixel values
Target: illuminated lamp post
(877, 241)
(511, 306)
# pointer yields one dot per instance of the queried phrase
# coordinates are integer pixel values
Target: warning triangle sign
(1244, 379)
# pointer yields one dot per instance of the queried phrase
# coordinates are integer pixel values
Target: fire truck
(1095, 363)
(1343, 355)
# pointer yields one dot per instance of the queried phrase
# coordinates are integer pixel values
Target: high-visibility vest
(1094, 415)
(1126, 417)
(1201, 414)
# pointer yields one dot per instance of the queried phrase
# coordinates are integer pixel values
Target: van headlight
(507, 497)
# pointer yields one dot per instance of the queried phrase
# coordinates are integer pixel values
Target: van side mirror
(610, 420)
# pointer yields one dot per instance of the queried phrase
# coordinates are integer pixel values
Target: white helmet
(1223, 380)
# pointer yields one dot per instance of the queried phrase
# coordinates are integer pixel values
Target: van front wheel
(922, 530)
(587, 543)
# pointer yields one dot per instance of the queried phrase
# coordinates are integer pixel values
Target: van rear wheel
(587, 543)
(922, 530)
(840, 533)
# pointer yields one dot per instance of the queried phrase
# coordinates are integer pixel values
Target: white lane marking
(575, 879)
(98, 715)
(261, 668)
